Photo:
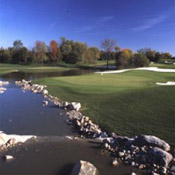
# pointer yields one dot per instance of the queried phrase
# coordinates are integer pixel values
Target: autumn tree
(108, 45)
(54, 51)
(123, 58)
(92, 55)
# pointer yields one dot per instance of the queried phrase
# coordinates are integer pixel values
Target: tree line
(71, 52)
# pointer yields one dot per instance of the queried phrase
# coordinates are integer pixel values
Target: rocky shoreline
(148, 153)
(2, 84)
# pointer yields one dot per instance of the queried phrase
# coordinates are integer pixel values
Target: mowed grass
(166, 66)
(127, 104)
(7, 68)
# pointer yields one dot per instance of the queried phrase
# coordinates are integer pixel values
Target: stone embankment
(12, 139)
(148, 153)
(2, 89)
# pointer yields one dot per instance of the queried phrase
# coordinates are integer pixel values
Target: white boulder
(84, 168)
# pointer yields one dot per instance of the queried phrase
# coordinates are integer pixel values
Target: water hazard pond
(22, 112)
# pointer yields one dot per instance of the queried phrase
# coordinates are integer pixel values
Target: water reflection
(29, 76)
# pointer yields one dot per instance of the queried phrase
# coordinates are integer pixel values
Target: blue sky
(134, 24)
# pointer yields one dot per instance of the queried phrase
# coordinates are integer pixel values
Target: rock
(86, 119)
(107, 146)
(2, 83)
(151, 141)
(69, 137)
(163, 170)
(114, 135)
(133, 164)
(45, 92)
(121, 154)
(160, 156)
(172, 169)
(65, 104)
(45, 103)
(13, 139)
(8, 158)
(102, 136)
(84, 168)
(74, 106)
(115, 162)
(141, 166)
(153, 173)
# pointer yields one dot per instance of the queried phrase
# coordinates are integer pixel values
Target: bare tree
(108, 45)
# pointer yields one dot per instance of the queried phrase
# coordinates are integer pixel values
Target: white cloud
(96, 24)
(51, 26)
(149, 23)
(105, 19)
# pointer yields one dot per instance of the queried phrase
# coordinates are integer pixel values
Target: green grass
(7, 68)
(159, 65)
(128, 104)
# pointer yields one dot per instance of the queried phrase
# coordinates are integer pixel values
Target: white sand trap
(168, 83)
(154, 69)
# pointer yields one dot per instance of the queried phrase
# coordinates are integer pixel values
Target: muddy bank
(57, 156)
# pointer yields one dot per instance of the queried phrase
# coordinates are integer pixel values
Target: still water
(30, 76)
(22, 112)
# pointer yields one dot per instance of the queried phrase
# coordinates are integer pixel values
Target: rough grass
(128, 104)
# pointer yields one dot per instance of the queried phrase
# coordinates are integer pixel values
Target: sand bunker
(154, 69)
(168, 83)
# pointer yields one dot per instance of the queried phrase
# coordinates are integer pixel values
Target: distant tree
(108, 45)
(72, 51)
(78, 48)
(40, 50)
(84, 56)
(150, 54)
(123, 58)
(30, 57)
(162, 57)
(17, 44)
(139, 60)
(5, 56)
(93, 54)
(117, 49)
(66, 50)
(166, 56)
(20, 56)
